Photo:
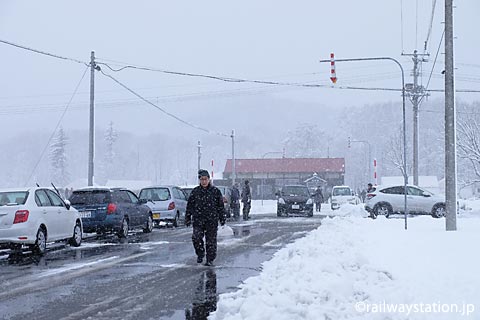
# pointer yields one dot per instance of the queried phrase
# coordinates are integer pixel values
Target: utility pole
(233, 157)
(199, 146)
(415, 93)
(92, 119)
(450, 119)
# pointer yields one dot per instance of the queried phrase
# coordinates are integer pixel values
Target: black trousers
(209, 232)
(246, 210)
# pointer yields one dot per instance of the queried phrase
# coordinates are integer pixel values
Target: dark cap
(246, 181)
(203, 173)
(370, 185)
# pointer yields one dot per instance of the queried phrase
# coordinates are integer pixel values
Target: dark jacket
(246, 194)
(205, 206)
(235, 195)
(318, 195)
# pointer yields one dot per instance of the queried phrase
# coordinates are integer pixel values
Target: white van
(342, 195)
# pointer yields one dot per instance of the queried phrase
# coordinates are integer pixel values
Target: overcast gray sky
(279, 41)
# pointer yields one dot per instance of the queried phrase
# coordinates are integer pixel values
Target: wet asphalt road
(149, 276)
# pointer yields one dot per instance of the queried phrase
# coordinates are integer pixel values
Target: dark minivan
(111, 209)
(294, 199)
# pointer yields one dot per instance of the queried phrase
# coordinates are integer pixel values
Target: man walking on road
(204, 210)
(246, 199)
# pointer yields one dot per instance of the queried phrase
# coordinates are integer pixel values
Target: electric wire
(161, 109)
(433, 66)
(429, 32)
(56, 127)
(401, 23)
(43, 52)
(212, 77)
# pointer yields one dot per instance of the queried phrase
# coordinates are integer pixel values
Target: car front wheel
(76, 240)
(384, 209)
(438, 211)
(149, 226)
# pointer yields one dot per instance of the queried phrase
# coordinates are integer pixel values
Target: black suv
(294, 199)
(111, 209)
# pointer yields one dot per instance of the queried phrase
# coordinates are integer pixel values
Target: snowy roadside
(356, 268)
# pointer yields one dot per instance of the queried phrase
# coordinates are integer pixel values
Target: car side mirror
(67, 204)
(142, 201)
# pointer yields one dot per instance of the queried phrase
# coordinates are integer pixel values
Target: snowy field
(357, 268)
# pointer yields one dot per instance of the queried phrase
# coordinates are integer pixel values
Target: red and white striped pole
(333, 74)
(375, 171)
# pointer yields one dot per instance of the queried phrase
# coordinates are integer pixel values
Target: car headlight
(281, 201)
(310, 201)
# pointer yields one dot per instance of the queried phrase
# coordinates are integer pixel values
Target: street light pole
(263, 157)
(405, 176)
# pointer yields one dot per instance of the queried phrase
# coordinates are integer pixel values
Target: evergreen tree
(58, 159)
(110, 138)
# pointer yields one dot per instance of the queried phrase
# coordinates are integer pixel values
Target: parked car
(167, 203)
(111, 209)
(35, 216)
(341, 195)
(187, 190)
(294, 199)
(386, 200)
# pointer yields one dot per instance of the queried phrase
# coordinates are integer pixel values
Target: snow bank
(350, 264)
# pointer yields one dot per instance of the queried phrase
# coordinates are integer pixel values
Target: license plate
(295, 206)
(156, 216)
(86, 214)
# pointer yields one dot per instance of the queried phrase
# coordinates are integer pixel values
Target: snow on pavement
(357, 268)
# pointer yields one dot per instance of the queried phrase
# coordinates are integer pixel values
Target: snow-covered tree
(110, 139)
(58, 159)
(306, 141)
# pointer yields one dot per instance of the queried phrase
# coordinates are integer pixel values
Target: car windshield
(296, 191)
(187, 192)
(342, 192)
(14, 197)
(90, 197)
(155, 194)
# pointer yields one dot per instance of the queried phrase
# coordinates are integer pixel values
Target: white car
(386, 200)
(168, 203)
(341, 195)
(35, 216)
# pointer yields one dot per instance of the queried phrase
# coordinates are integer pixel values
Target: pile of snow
(356, 268)
(348, 209)
(224, 232)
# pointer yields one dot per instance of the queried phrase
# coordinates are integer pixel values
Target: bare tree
(394, 152)
(468, 143)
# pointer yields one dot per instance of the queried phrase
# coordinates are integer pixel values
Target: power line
(56, 127)
(207, 76)
(42, 52)
(163, 110)
(434, 3)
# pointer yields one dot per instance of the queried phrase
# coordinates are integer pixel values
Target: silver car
(168, 204)
(386, 200)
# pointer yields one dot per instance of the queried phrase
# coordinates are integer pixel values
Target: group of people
(205, 209)
(245, 197)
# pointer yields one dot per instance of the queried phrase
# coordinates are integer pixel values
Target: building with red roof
(271, 174)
